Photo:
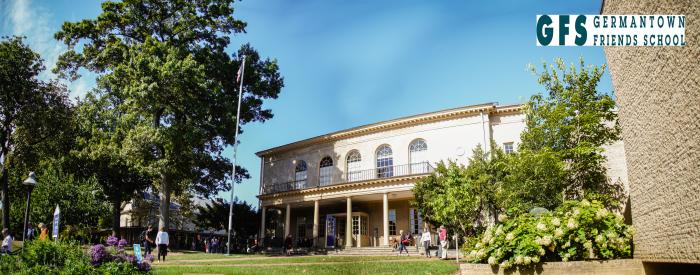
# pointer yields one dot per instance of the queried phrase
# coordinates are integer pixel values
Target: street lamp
(30, 182)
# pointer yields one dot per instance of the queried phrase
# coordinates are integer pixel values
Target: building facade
(354, 187)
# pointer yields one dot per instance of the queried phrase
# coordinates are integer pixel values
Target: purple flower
(144, 266)
(98, 253)
(131, 259)
(112, 240)
(149, 258)
(122, 243)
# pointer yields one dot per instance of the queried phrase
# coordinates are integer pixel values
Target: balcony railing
(351, 176)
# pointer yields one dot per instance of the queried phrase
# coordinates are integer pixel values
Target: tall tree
(214, 215)
(33, 113)
(574, 120)
(98, 152)
(165, 62)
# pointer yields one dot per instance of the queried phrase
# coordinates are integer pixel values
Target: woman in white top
(425, 240)
(162, 241)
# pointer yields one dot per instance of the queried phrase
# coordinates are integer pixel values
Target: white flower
(518, 260)
(536, 259)
(499, 230)
(502, 217)
(588, 244)
(472, 253)
(611, 235)
(546, 240)
(527, 260)
(567, 244)
(541, 251)
(619, 216)
(555, 221)
(558, 232)
(601, 213)
(571, 224)
(564, 259)
(478, 245)
(541, 227)
(509, 236)
(492, 260)
(505, 264)
(585, 202)
(599, 239)
(576, 211)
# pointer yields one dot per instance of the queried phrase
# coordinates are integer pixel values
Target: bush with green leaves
(577, 230)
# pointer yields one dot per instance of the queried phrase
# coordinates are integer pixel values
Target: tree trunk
(116, 216)
(5, 197)
(164, 219)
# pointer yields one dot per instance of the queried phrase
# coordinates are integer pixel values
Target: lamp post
(30, 182)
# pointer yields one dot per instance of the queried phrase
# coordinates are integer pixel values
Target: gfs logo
(545, 30)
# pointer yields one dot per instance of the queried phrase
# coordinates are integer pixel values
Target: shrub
(574, 231)
(53, 254)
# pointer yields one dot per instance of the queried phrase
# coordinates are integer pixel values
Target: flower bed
(577, 230)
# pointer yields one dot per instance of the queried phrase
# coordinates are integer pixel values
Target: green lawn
(201, 263)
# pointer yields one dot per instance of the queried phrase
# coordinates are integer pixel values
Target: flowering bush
(114, 260)
(98, 254)
(574, 231)
(112, 240)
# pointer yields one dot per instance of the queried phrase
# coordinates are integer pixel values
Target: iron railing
(351, 176)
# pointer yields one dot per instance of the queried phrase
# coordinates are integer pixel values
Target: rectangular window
(508, 147)
(416, 221)
(355, 225)
(301, 227)
(392, 221)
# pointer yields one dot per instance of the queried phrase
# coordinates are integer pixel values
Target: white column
(287, 218)
(385, 210)
(348, 224)
(315, 231)
(261, 237)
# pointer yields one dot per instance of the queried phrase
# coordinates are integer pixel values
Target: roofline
(490, 107)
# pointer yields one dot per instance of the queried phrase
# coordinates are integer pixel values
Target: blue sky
(348, 63)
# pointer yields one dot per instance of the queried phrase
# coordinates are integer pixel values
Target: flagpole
(235, 149)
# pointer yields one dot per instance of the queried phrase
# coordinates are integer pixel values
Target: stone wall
(658, 92)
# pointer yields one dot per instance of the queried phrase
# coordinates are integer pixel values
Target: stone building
(658, 93)
(354, 187)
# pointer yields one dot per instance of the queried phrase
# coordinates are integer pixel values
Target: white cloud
(25, 18)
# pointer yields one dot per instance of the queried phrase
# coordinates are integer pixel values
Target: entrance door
(360, 224)
(330, 231)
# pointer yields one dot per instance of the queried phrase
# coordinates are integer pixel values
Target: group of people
(31, 235)
(404, 240)
(161, 241)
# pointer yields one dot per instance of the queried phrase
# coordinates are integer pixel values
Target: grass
(201, 263)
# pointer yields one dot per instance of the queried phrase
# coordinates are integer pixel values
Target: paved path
(175, 263)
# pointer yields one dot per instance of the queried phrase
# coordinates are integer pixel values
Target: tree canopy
(35, 115)
(166, 65)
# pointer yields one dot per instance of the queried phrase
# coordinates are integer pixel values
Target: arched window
(300, 175)
(385, 162)
(418, 156)
(325, 173)
(354, 165)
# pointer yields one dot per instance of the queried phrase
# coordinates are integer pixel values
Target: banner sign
(330, 231)
(56, 219)
(137, 252)
(610, 30)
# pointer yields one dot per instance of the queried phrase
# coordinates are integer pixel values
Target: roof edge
(490, 107)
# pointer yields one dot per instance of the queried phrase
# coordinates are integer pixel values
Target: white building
(364, 176)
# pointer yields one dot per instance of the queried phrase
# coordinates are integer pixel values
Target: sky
(350, 63)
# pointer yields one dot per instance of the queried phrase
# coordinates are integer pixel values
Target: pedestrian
(147, 240)
(425, 240)
(288, 245)
(6, 241)
(162, 241)
(31, 233)
(44, 232)
(443, 242)
(404, 242)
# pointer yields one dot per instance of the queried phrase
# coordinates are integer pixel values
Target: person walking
(403, 242)
(425, 240)
(31, 233)
(147, 240)
(162, 241)
(443, 242)
(44, 232)
(6, 241)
